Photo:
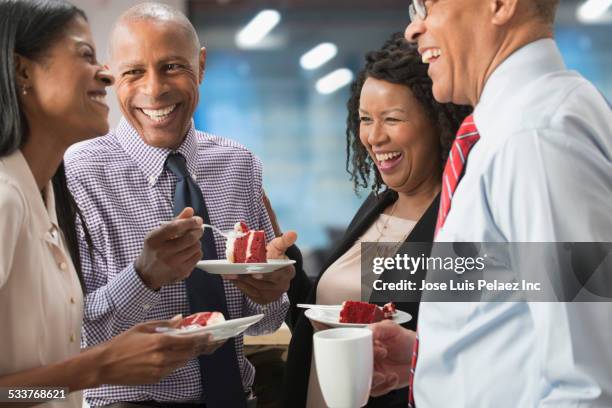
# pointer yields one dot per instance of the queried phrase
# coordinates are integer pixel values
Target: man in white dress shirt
(540, 172)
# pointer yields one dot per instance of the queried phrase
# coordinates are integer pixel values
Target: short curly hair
(397, 62)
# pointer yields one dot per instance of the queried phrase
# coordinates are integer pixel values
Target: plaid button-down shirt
(121, 186)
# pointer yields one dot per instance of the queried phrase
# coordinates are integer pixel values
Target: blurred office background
(257, 91)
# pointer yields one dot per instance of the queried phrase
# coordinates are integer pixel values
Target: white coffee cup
(344, 361)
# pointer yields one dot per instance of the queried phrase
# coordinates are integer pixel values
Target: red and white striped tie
(467, 136)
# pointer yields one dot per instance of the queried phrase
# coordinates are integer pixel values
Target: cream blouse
(343, 281)
(41, 303)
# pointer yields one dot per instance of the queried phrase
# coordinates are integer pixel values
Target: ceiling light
(333, 81)
(257, 28)
(318, 56)
(592, 10)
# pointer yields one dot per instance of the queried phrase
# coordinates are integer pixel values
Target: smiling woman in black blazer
(398, 138)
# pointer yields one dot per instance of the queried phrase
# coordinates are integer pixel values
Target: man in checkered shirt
(125, 193)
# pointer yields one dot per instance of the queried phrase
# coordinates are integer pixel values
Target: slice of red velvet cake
(250, 247)
(202, 319)
(363, 312)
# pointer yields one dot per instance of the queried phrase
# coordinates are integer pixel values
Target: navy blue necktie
(221, 380)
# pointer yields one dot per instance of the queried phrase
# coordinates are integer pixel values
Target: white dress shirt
(541, 172)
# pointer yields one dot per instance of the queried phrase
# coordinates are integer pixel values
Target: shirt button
(146, 306)
(72, 300)
(63, 266)
(194, 176)
(152, 180)
(72, 338)
(54, 232)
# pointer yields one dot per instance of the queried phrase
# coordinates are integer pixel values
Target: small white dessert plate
(331, 317)
(219, 331)
(223, 267)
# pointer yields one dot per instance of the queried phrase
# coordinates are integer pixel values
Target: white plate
(331, 317)
(223, 267)
(222, 331)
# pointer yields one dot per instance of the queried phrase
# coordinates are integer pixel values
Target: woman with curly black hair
(398, 138)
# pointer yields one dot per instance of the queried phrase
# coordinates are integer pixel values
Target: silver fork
(227, 234)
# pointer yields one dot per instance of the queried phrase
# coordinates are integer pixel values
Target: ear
(503, 11)
(202, 62)
(23, 69)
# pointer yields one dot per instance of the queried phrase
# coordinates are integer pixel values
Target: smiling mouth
(387, 161)
(98, 97)
(430, 55)
(159, 115)
(383, 157)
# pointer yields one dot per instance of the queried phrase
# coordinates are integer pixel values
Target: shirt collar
(519, 69)
(151, 159)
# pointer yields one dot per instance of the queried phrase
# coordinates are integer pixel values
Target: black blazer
(297, 370)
